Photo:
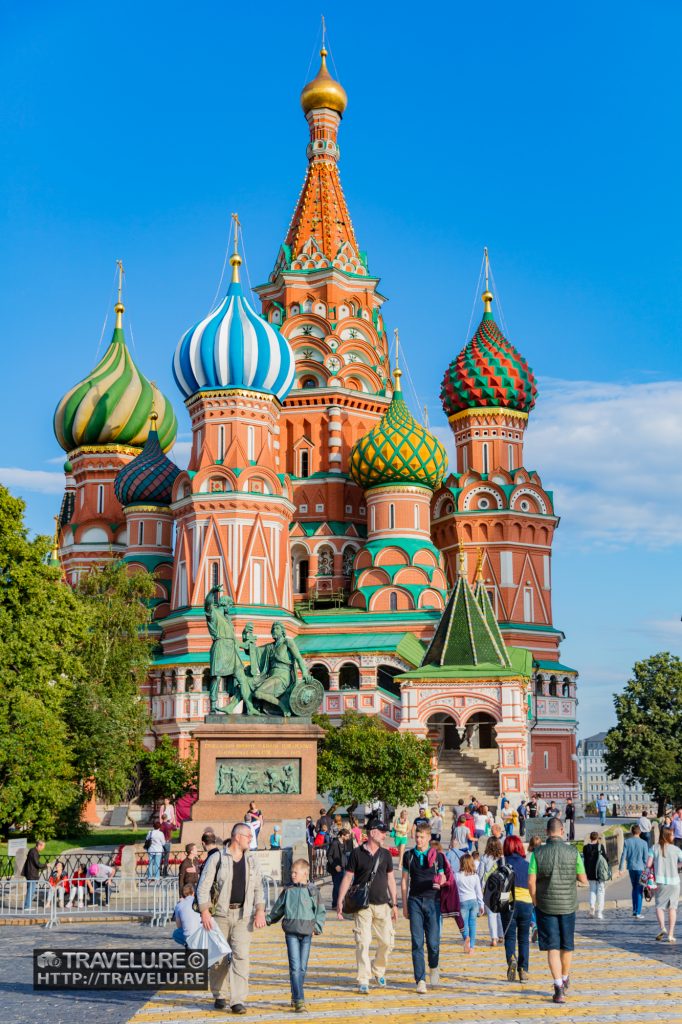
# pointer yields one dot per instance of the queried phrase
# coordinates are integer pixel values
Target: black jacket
(338, 853)
(33, 865)
(590, 853)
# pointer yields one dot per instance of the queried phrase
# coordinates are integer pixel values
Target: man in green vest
(554, 871)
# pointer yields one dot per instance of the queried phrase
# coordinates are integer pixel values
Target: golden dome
(324, 91)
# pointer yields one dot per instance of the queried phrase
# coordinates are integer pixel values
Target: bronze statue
(225, 662)
(270, 683)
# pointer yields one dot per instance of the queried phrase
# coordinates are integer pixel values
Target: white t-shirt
(103, 872)
(666, 864)
(469, 887)
(186, 916)
(158, 840)
(480, 822)
(644, 825)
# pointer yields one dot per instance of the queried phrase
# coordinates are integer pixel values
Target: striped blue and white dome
(233, 347)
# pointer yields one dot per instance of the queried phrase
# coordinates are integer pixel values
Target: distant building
(593, 780)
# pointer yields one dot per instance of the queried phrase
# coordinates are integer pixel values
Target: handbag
(357, 897)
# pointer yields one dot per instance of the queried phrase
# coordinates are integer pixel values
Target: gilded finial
(398, 372)
(479, 566)
(153, 415)
(487, 295)
(235, 258)
(119, 308)
(462, 560)
(54, 556)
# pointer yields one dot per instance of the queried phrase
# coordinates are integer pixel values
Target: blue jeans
(298, 951)
(470, 914)
(425, 923)
(31, 887)
(602, 818)
(154, 866)
(509, 828)
(517, 923)
(637, 891)
(337, 878)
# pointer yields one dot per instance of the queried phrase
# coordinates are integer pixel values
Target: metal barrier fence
(82, 897)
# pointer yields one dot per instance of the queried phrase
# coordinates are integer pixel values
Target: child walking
(302, 912)
(470, 899)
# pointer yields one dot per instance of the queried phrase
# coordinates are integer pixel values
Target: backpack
(499, 893)
(215, 887)
(602, 871)
(148, 840)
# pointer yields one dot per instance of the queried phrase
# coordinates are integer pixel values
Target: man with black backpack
(368, 892)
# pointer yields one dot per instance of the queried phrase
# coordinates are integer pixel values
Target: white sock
(564, 977)
(558, 982)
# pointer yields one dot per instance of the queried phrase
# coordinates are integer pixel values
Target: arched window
(386, 679)
(393, 601)
(538, 686)
(416, 517)
(566, 688)
(308, 382)
(321, 673)
(484, 453)
(465, 459)
(215, 574)
(349, 677)
(305, 462)
(140, 533)
(552, 686)
(100, 498)
(251, 444)
(159, 533)
(391, 516)
(221, 443)
(510, 457)
(373, 518)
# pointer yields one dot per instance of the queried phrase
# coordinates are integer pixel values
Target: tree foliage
(645, 746)
(165, 773)
(362, 760)
(106, 713)
(41, 629)
(71, 666)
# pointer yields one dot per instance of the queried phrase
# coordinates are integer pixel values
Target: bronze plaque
(262, 776)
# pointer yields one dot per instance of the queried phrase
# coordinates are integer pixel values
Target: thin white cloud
(180, 453)
(31, 480)
(611, 455)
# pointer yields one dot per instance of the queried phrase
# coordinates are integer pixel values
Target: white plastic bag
(214, 941)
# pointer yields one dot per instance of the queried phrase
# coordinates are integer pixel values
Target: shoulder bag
(357, 897)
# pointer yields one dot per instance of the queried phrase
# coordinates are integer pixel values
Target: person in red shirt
(469, 822)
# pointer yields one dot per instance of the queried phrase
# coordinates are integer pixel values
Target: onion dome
(112, 404)
(488, 372)
(399, 450)
(149, 478)
(324, 91)
(233, 347)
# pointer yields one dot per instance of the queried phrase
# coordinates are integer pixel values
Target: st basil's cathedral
(316, 499)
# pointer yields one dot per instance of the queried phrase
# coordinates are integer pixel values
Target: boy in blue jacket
(302, 912)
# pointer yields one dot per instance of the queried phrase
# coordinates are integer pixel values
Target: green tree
(42, 628)
(106, 713)
(362, 760)
(645, 745)
(165, 773)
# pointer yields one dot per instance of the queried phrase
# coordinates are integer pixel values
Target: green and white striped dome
(112, 405)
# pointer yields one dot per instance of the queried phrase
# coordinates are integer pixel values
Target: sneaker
(511, 969)
(299, 1007)
(220, 1004)
(671, 938)
(434, 976)
(523, 974)
(558, 996)
(238, 1008)
(421, 987)
(661, 937)
(363, 990)
(600, 916)
(381, 982)
(566, 984)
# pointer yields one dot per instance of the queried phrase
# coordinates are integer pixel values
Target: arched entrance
(479, 732)
(443, 728)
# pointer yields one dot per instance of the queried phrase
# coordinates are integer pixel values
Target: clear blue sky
(547, 132)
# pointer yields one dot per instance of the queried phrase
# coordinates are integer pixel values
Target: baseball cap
(378, 824)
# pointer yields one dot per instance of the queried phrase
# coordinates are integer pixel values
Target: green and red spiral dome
(488, 372)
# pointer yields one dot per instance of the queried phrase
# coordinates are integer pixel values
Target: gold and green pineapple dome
(399, 450)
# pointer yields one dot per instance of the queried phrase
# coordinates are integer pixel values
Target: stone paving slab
(621, 974)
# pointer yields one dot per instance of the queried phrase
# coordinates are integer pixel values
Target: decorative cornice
(492, 413)
(399, 488)
(104, 449)
(262, 396)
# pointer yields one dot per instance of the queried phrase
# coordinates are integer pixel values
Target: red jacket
(449, 894)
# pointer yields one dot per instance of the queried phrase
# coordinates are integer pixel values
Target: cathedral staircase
(465, 775)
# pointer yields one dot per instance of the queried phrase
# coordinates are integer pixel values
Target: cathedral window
(483, 503)
(349, 510)
(304, 462)
(528, 604)
(257, 582)
(484, 451)
(510, 457)
(417, 524)
(251, 444)
(100, 498)
(348, 556)
(391, 516)
(325, 562)
(182, 584)
(140, 533)
(215, 574)
(545, 758)
(221, 443)
(308, 382)
(393, 601)
(373, 518)
(465, 459)
(159, 533)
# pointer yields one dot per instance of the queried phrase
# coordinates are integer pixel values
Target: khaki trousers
(232, 983)
(374, 918)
